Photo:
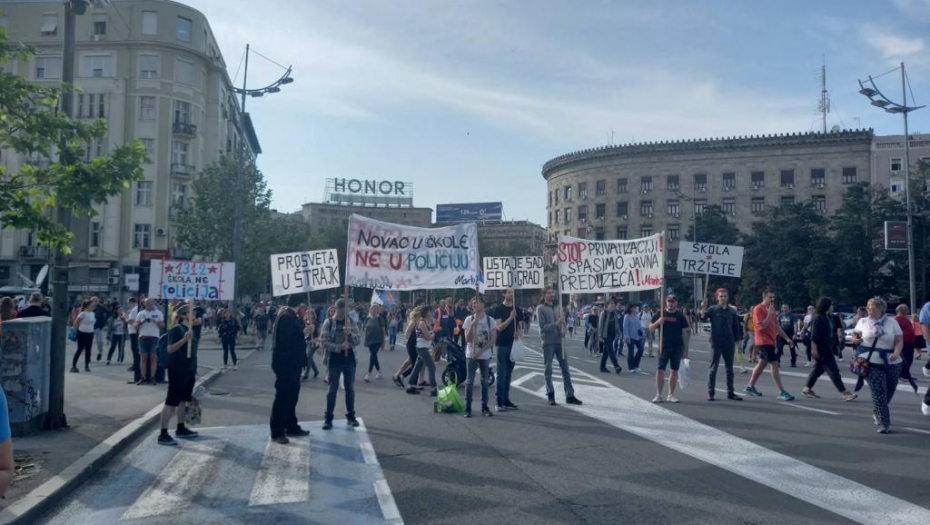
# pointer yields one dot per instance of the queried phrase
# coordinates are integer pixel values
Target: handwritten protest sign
(301, 272)
(587, 266)
(208, 281)
(712, 259)
(390, 256)
(518, 273)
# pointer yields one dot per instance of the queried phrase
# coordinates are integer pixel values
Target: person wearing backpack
(288, 358)
(339, 337)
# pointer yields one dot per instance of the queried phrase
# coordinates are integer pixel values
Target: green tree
(32, 124)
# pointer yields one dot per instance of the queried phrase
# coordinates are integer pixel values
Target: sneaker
(485, 411)
(468, 413)
(619, 369)
(875, 420)
(304, 378)
(281, 440)
(671, 399)
(352, 422)
(412, 391)
(366, 378)
(500, 408)
(398, 382)
(925, 409)
(186, 433)
(809, 393)
(551, 398)
(99, 357)
(326, 380)
(108, 363)
(87, 369)
(710, 396)
(840, 359)
(573, 401)
(74, 370)
(165, 439)
(511, 406)
(785, 396)
(657, 399)
(926, 371)
(743, 370)
(733, 397)
(807, 365)
(297, 432)
(884, 430)
(327, 425)
(849, 396)
(751, 390)
(378, 375)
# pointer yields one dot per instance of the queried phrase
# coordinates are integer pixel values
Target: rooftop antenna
(824, 106)
(611, 136)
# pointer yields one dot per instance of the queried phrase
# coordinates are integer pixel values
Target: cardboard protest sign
(301, 272)
(587, 266)
(710, 259)
(390, 256)
(183, 280)
(519, 273)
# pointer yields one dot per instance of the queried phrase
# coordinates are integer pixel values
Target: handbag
(517, 352)
(72, 335)
(860, 365)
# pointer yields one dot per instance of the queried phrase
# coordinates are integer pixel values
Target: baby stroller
(456, 372)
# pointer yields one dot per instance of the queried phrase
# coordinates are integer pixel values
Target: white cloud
(892, 45)
(913, 7)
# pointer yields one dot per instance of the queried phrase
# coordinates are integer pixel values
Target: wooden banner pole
(662, 294)
(190, 326)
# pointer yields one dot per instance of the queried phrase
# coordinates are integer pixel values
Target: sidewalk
(97, 405)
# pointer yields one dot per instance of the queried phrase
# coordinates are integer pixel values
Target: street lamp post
(693, 200)
(880, 100)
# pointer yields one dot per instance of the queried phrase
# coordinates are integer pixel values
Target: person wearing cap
(339, 336)
(288, 358)
(180, 379)
(676, 332)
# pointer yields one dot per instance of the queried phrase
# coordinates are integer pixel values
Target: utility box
(25, 362)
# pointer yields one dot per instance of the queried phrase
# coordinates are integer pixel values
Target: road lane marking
(284, 476)
(368, 453)
(912, 429)
(813, 485)
(802, 407)
(180, 481)
(725, 392)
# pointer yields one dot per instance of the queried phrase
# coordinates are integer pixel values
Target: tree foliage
(32, 124)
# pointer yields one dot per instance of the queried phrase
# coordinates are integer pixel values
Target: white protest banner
(301, 272)
(390, 256)
(207, 281)
(519, 273)
(587, 266)
(711, 259)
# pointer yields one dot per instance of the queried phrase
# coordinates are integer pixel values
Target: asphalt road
(616, 459)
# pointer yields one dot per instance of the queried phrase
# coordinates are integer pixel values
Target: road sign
(895, 235)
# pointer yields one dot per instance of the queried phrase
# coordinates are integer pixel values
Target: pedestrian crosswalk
(237, 475)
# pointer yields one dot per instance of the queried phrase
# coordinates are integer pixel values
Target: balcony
(184, 129)
(33, 252)
(181, 170)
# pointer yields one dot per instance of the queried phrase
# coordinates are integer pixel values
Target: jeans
(607, 350)
(344, 365)
(726, 351)
(373, 363)
(392, 335)
(98, 335)
(634, 353)
(423, 358)
(116, 343)
(473, 366)
(134, 346)
(883, 380)
(284, 408)
(85, 343)
(826, 363)
(504, 367)
(311, 364)
(550, 351)
(229, 347)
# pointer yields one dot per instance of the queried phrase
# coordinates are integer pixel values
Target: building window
(100, 25)
(645, 231)
(147, 109)
(92, 149)
(183, 71)
(557, 213)
(729, 206)
(48, 67)
(582, 233)
(148, 65)
(142, 237)
(673, 183)
(787, 179)
(149, 23)
(178, 194)
(568, 215)
(622, 210)
(556, 193)
(182, 112)
(97, 66)
(599, 234)
(758, 205)
(94, 234)
(550, 219)
(179, 152)
(786, 200)
(729, 181)
(757, 180)
(699, 206)
(183, 29)
(600, 211)
(820, 203)
(583, 213)
(818, 177)
(674, 232)
(621, 186)
(621, 233)
(568, 194)
(600, 188)
(49, 24)
(149, 145)
(673, 208)
(700, 182)
(850, 175)
(896, 163)
(583, 190)
(645, 184)
(645, 208)
(144, 193)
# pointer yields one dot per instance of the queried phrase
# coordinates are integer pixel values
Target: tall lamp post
(244, 91)
(870, 90)
(693, 200)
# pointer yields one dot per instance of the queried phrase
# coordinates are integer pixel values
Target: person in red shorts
(765, 320)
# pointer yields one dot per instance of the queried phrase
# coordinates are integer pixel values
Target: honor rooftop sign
(363, 192)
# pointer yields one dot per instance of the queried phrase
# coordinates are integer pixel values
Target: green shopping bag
(448, 400)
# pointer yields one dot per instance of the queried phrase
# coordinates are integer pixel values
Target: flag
(376, 297)
(481, 281)
(384, 298)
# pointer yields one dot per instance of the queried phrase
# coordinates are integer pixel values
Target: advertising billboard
(469, 212)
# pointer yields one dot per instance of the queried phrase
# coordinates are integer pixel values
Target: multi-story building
(888, 160)
(631, 191)
(321, 215)
(500, 235)
(153, 71)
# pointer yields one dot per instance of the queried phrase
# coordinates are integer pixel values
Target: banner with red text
(202, 281)
(390, 256)
(587, 266)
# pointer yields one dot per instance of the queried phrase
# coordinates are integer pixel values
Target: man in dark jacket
(288, 357)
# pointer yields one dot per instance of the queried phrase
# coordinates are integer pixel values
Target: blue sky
(468, 98)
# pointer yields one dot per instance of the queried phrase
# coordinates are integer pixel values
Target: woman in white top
(84, 327)
(879, 339)
(424, 343)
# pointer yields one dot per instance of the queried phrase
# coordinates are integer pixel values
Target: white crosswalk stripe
(284, 476)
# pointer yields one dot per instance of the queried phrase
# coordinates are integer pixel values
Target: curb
(46, 495)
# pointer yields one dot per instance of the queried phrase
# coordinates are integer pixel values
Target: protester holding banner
(424, 339)
(676, 333)
(551, 330)
(508, 330)
(724, 332)
(180, 379)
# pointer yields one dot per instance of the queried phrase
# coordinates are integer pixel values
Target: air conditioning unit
(113, 280)
(623, 217)
(114, 272)
(160, 232)
(820, 185)
(96, 38)
(92, 251)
